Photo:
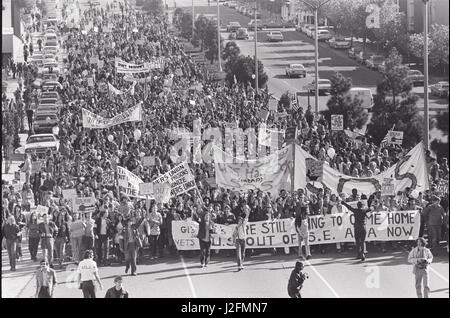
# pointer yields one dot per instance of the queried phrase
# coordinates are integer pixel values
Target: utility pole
(218, 36)
(315, 7)
(425, 73)
(193, 20)
(256, 51)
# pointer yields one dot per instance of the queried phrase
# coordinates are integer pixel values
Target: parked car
(54, 95)
(251, 24)
(295, 70)
(45, 109)
(305, 28)
(44, 123)
(233, 26)
(362, 57)
(40, 143)
(338, 42)
(353, 53)
(322, 35)
(416, 77)
(232, 4)
(242, 34)
(310, 31)
(46, 100)
(374, 61)
(51, 49)
(275, 36)
(50, 85)
(440, 89)
(324, 86)
(364, 94)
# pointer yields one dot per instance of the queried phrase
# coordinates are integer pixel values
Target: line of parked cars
(48, 82)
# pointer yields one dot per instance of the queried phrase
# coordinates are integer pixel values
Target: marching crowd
(122, 226)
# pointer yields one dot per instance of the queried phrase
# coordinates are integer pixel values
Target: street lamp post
(256, 51)
(193, 20)
(425, 73)
(218, 37)
(316, 8)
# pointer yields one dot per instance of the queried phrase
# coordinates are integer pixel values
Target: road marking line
(191, 285)
(439, 275)
(323, 279)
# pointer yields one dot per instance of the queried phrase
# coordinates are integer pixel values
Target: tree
(285, 100)
(440, 147)
(177, 16)
(210, 40)
(201, 25)
(153, 7)
(395, 105)
(243, 68)
(186, 26)
(342, 103)
(438, 46)
(231, 51)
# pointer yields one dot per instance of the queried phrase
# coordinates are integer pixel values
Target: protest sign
(148, 161)
(387, 187)
(180, 179)
(146, 188)
(323, 229)
(91, 120)
(273, 105)
(123, 67)
(94, 60)
(90, 81)
(161, 192)
(100, 64)
(128, 182)
(395, 137)
(291, 133)
(69, 195)
(109, 178)
(337, 122)
(263, 114)
(314, 170)
(83, 204)
(41, 210)
(442, 187)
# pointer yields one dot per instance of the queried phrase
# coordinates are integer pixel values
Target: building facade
(12, 27)
(415, 10)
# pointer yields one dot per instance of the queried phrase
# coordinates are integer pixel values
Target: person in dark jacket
(10, 231)
(103, 228)
(33, 236)
(117, 291)
(359, 227)
(205, 228)
(21, 222)
(296, 280)
(62, 237)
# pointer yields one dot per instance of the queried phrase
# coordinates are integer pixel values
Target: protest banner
(323, 229)
(69, 195)
(161, 192)
(180, 179)
(123, 67)
(91, 120)
(128, 182)
(109, 178)
(314, 170)
(337, 122)
(148, 161)
(395, 137)
(387, 187)
(83, 204)
(268, 174)
(146, 188)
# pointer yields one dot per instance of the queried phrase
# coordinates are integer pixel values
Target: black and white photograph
(232, 152)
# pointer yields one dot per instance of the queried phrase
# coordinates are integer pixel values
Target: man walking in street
(47, 232)
(296, 280)
(45, 281)
(359, 227)
(11, 231)
(117, 291)
(239, 237)
(421, 257)
(87, 272)
(434, 216)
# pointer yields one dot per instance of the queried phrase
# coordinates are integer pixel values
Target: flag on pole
(386, 138)
(114, 90)
(295, 106)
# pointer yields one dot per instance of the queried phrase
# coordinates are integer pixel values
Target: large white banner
(268, 174)
(336, 228)
(180, 179)
(123, 67)
(91, 120)
(128, 182)
(410, 171)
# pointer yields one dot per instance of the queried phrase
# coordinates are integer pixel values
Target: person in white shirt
(87, 272)
(421, 257)
(77, 228)
(239, 237)
(337, 209)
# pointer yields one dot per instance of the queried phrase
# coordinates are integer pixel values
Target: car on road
(242, 34)
(251, 25)
(51, 85)
(375, 61)
(353, 53)
(416, 77)
(47, 109)
(37, 60)
(324, 86)
(440, 89)
(40, 143)
(275, 36)
(305, 28)
(44, 123)
(295, 70)
(339, 42)
(50, 49)
(54, 95)
(47, 100)
(310, 31)
(233, 26)
(232, 4)
(322, 35)
(364, 94)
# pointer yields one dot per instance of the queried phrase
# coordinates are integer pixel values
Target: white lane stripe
(439, 275)
(191, 285)
(322, 278)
